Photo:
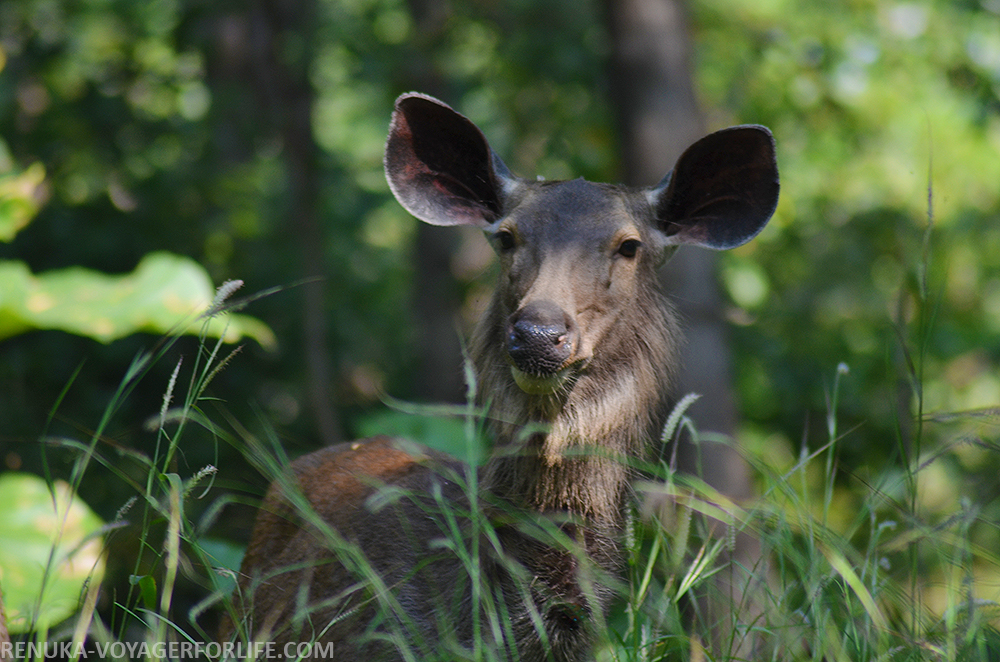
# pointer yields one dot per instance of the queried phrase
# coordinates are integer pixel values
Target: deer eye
(629, 248)
(504, 239)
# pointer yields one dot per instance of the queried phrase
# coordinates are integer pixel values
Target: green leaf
(226, 556)
(165, 294)
(147, 589)
(36, 524)
(19, 199)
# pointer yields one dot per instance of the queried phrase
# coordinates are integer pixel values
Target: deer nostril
(532, 333)
(538, 348)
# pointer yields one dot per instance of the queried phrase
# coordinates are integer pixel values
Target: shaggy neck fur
(572, 452)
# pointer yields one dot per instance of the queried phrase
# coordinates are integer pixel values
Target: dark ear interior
(439, 164)
(722, 191)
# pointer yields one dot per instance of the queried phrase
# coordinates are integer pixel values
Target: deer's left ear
(722, 191)
(440, 166)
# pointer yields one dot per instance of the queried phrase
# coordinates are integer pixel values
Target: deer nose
(539, 340)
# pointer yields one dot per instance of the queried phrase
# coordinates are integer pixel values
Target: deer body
(572, 358)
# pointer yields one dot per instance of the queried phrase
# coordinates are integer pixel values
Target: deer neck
(574, 452)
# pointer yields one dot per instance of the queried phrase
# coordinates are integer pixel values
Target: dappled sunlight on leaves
(49, 548)
(166, 294)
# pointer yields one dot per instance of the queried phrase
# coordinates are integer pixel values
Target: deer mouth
(547, 383)
(535, 384)
(542, 344)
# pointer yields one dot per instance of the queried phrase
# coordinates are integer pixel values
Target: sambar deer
(383, 549)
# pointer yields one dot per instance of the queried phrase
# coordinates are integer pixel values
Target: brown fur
(391, 551)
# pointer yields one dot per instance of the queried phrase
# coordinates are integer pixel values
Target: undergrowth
(822, 565)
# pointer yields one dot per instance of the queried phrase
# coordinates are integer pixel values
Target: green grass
(880, 563)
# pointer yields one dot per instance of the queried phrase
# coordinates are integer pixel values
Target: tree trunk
(438, 373)
(283, 90)
(437, 298)
(659, 117)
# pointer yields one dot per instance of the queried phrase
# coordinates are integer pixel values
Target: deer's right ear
(722, 191)
(440, 166)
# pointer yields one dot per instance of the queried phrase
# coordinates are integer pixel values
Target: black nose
(538, 339)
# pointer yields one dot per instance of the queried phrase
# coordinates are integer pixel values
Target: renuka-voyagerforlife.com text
(173, 650)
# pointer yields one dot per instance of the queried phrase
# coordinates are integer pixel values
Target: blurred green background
(248, 137)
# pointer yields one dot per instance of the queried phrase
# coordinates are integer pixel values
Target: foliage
(18, 204)
(887, 122)
(49, 551)
(131, 128)
(882, 253)
(159, 514)
(156, 297)
(160, 296)
(826, 587)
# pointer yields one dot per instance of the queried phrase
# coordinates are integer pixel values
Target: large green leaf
(165, 294)
(36, 525)
(19, 199)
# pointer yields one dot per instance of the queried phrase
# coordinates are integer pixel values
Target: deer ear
(722, 191)
(440, 166)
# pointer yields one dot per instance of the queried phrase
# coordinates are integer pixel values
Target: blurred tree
(269, 48)
(438, 294)
(249, 138)
(659, 116)
(870, 107)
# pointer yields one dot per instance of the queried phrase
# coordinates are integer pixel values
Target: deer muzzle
(540, 342)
